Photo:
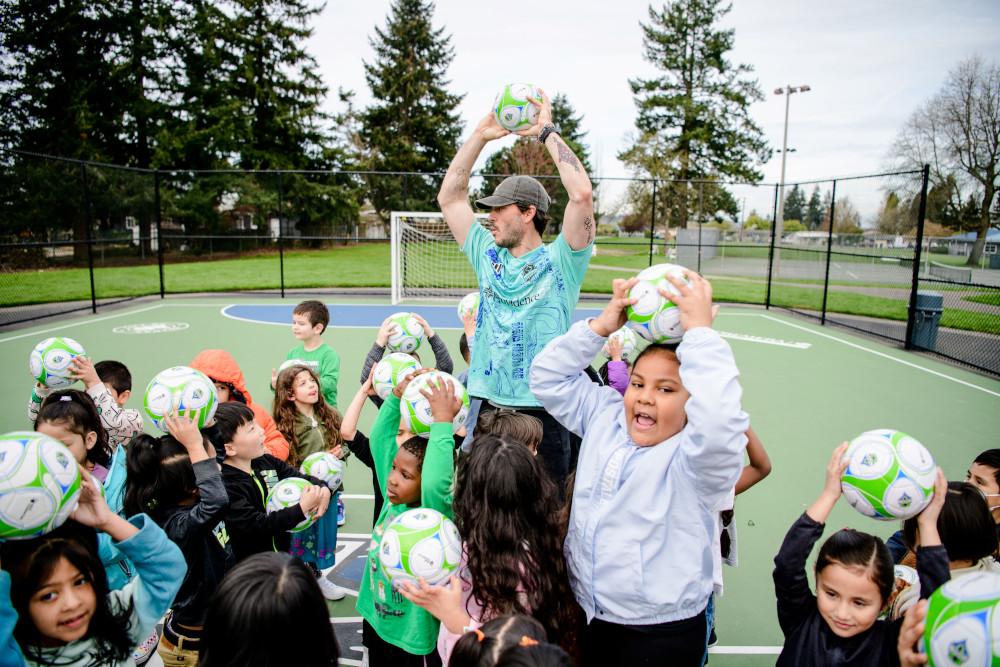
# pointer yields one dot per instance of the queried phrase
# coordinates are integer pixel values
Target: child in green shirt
(309, 321)
(415, 472)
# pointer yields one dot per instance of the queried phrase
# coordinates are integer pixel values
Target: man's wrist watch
(546, 131)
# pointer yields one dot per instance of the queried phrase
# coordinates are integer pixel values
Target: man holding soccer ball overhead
(528, 289)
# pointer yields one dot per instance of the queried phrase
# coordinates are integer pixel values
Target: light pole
(779, 223)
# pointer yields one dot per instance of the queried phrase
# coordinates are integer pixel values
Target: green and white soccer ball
(416, 410)
(324, 466)
(512, 108)
(963, 622)
(390, 371)
(890, 475)
(655, 318)
(49, 361)
(183, 389)
(39, 484)
(286, 493)
(420, 543)
(407, 335)
(628, 339)
(468, 304)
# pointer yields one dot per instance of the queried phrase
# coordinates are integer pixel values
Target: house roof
(993, 236)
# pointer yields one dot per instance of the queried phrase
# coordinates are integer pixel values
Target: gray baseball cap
(517, 190)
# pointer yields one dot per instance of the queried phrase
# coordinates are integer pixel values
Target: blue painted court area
(359, 315)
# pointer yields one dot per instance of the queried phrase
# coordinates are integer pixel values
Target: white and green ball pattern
(420, 543)
(963, 622)
(416, 409)
(286, 493)
(512, 108)
(324, 466)
(468, 304)
(49, 361)
(407, 335)
(628, 339)
(655, 318)
(183, 389)
(890, 475)
(39, 484)
(392, 369)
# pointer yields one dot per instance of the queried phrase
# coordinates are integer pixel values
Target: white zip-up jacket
(643, 518)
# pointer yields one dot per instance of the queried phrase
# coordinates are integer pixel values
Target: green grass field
(367, 265)
(802, 402)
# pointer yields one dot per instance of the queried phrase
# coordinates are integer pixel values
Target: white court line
(74, 324)
(358, 496)
(765, 340)
(883, 354)
(746, 650)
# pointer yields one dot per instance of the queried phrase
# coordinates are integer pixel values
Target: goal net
(426, 260)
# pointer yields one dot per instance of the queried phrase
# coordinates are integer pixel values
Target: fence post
(770, 252)
(87, 238)
(281, 235)
(701, 221)
(829, 251)
(915, 281)
(652, 225)
(159, 230)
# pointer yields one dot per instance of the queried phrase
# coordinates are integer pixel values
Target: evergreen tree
(527, 156)
(814, 211)
(412, 125)
(694, 119)
(795, 204)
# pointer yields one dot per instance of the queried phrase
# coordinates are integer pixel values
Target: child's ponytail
(160, 475)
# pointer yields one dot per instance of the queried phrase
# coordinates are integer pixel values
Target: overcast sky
(869, 64)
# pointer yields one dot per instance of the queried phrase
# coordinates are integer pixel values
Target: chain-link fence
(77, 236)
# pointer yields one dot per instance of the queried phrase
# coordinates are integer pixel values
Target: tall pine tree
(795, 204)
(527, 156)
(814, 211)
(694, 118)
(412, 125)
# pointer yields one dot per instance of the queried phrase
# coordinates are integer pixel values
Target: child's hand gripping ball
(286, 493)
(407, 333)
(39, 484)
(417, 410)
(50, 360)
(652, 315)
(420, 543)
(324, 466)
(390, 371)
(889, 475)
(182, 390)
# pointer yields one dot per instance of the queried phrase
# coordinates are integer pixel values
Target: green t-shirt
(325, 362)
(525, 302)
(396, 619)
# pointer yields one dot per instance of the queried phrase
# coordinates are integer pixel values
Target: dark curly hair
(507, 511)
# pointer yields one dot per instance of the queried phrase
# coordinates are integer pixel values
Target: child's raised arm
(442, 358)
(378, 348)
(714, 437)
(212, 497)
(557, 378)
(820, 510)
(933, 567)
(759, 466)
(439, 460)
(349, 422)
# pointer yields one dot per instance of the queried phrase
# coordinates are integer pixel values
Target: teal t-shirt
(524, 303)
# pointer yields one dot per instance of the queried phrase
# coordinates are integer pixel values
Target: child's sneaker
(331, 591)
(341, 512)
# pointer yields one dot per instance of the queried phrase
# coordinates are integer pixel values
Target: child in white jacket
(654, 466)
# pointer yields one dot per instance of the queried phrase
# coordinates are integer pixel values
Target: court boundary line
(882, 354)
(81, 321)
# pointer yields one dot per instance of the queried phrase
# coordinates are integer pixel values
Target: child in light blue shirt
(655, 465)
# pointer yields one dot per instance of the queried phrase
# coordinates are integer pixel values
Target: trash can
(995, 261)
(930, 305)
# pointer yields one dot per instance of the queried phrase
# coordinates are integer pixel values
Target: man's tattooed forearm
(460, 175)
(588, 226)
(566, 155)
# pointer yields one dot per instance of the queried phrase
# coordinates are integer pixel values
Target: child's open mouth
(75, 622)
(643, 421)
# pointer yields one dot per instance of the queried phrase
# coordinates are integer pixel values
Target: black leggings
(383, 654)
(678, 643)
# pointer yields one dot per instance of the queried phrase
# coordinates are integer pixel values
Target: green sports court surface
(806, 388)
